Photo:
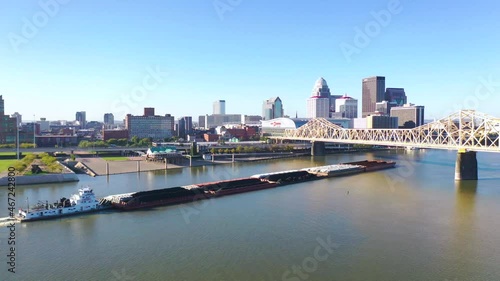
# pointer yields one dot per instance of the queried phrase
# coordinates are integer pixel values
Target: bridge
(467, 132)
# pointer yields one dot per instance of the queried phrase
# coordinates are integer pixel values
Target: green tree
(135, 140)
(84, 144)
(239, 149)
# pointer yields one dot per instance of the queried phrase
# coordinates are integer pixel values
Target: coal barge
(184, 194)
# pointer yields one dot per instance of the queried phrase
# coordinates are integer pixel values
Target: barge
(85, 201)
(194, 192)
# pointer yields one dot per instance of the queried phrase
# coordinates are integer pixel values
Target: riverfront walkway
(98, 165)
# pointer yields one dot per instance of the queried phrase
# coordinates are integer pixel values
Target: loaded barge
(190, 193)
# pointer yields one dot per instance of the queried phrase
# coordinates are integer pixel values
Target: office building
(109, 119)
(272, 108)
(18, 117)
(154, 127)
(333, 105)
(185, 127)
(373, 91)
(114, 134)
(384, 107)
(346, 107)
(81, 118)
(396, 96)
(377, 121)
(409, 115)
(318, 107)
(8, 126)
(44, 125)
(219, 107)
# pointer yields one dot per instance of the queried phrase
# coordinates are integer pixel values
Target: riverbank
(100, 167)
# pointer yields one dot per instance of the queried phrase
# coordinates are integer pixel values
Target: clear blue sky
(90, 54)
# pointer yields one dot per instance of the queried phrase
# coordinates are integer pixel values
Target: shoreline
(96, 166)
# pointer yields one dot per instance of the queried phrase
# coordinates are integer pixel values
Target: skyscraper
(396, 95)
(318, 105)
(8, 126)
(109, 119)
(347, 107)
(373, 91)
(272, 108)
(81, 118)
(185, 127)
(220, 107)
(409, 115)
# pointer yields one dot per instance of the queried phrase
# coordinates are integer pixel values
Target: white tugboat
(82, 202)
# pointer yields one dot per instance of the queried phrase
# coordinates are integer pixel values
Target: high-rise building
(272, 108)
(347, 107)
(373, 91)
(321, 89)
(155, 127)
(220, 107)
(2, 106)
(109, 119)
(149, 111)
(18, 116)
(8, 126)
(396, 95)
(333, 105)
(318, 105)
(384, 107)
(185, 127)
(81, 118)
(376, 121)
(44, 125)
(409, 115)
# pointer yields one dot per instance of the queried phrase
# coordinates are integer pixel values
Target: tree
(409, 125)
(212, 150)
(84, 144)
(239, 149)
(135, 140)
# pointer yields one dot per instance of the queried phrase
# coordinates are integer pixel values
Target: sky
(119, 56)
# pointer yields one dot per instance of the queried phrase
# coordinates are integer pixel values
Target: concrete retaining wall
(39, 179)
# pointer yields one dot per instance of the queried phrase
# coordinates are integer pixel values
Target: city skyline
(93, 66)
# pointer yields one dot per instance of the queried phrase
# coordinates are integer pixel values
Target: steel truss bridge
(466, 130)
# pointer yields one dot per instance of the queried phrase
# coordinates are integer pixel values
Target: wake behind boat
(83, 202)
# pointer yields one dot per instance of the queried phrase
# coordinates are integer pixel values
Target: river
(414, 222)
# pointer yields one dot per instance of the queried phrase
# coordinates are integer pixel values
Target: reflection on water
(424, 226)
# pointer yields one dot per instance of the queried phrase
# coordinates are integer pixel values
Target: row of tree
(133, 142)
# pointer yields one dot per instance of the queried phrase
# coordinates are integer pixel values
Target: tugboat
(82, 202)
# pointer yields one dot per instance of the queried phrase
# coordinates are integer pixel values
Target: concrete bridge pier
(466, 165)
(318, 148)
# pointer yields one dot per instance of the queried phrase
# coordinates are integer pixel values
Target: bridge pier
(318, 148)
(466, 165)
